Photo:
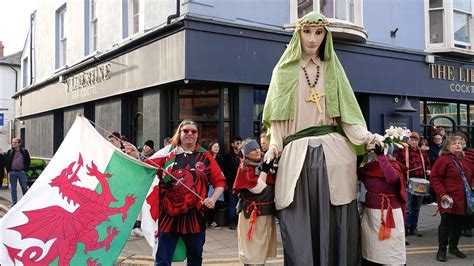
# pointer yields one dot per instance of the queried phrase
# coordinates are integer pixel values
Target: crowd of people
(305, 172)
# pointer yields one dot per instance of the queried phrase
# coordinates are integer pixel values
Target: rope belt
(387, 224)
(255, 211)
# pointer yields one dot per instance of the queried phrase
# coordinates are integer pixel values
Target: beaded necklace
(314, 96)
(307, 77)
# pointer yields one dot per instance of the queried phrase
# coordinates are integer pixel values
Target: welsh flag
(82, 208)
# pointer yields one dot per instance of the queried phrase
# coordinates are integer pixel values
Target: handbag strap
(463, 176)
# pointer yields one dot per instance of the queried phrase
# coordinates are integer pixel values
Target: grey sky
(15, 23)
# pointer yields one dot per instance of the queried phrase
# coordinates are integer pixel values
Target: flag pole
(151, 162)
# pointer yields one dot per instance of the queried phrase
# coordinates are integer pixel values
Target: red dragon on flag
(68, 228)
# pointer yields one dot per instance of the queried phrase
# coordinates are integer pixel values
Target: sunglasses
(186, 131)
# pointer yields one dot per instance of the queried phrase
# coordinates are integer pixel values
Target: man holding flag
(181, 194)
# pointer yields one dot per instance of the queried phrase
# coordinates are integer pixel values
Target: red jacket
(446, 180)
(415, 160)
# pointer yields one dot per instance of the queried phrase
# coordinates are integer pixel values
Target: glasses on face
(186, 131)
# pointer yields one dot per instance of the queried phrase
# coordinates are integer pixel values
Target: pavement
(221, 244)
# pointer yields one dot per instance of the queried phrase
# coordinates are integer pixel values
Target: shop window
(463, 114)
(450, 26)
(207, 106)
(137, 123)
(471, 115)
(451, 116)
(199, 108)
(225, 100)
(441, 108)
(259, 97)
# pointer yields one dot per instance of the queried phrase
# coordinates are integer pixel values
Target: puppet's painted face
(311, 38)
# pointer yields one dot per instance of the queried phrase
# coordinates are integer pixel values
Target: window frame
(93, 36)
(61, 37)
(25, 68)
(135, 16)
(358, 12)
(449, 44)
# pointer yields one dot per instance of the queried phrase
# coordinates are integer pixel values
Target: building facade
(9, 80)
(148, 64)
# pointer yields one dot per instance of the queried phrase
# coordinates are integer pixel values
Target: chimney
(1, 49)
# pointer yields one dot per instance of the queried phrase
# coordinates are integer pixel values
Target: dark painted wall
(381, 114)
(236, 55)
(247, 56)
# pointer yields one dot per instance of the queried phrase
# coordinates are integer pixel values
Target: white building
(9, 84)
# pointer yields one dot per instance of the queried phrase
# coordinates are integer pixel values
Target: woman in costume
(181, 204)
(383, 228)
(447, 181)
(313, 117)
(256, 229)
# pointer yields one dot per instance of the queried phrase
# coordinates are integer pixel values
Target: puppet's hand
(265, 167)
(378, 149)
(376, 139)
(271, 154)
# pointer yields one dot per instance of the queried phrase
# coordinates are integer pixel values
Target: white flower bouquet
(394, 136)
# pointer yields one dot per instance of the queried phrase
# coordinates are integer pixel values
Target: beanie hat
(415, 135)
(149, 143)
(248, 146)
(461, 134)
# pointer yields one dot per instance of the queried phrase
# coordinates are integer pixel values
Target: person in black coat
(231, 163)
(17, 164)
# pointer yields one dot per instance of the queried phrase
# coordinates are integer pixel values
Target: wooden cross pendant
(316, 97)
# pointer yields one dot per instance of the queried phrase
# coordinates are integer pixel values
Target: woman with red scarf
(383, 230)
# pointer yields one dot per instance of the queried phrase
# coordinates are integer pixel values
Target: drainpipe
(32, 18)
(170, 17)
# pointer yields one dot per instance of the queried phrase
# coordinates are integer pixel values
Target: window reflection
(304, 7)
(446, 115)
(199, 108)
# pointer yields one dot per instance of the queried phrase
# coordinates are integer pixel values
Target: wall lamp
(405, 107)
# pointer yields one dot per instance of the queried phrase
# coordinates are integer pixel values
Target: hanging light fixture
(406, 106)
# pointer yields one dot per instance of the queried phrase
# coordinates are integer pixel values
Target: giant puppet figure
(315, 124)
